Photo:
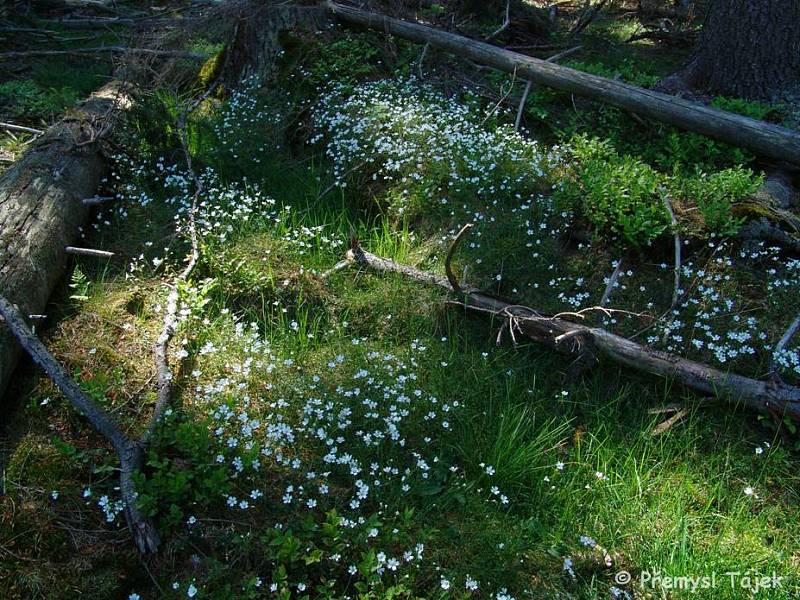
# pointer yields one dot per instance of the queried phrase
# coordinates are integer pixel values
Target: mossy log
(42, 209)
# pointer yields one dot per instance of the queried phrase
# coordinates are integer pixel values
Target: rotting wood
(772, 396)
(760, 137)
(41, 209)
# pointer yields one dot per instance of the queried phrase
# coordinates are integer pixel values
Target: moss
(37, 462)
(211, 68)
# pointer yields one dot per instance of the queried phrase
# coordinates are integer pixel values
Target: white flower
(191, 591)
(568, 567)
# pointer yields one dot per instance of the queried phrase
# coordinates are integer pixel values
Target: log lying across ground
(762, 138)
(583, 342)
(41, 207)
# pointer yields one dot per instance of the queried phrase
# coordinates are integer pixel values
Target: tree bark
(748, 49)
(41, 207)
(760, 137)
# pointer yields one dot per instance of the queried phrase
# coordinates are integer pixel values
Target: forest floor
(352, 435)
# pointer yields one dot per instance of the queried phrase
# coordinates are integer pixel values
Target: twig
(677, 237)
(101, 50)
(342, 264)
(161, 351)
(502, 99)
(448, 269)
(12, 127)
(529, 84)
(422, 59)
(332, 186)
(612, 281)
(504, 26)
(784, 341)
(521, 108)
(587, 17)
(88, 252)
(666, 425)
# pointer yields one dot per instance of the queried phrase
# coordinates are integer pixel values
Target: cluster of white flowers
(111, 508)
(399, 130)
(355, 438)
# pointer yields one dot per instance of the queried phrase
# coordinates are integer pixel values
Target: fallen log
(41, 207)
(762, 138)
(583, 342)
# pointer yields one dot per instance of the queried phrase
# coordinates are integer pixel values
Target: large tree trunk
(748, 49)
(41, 208)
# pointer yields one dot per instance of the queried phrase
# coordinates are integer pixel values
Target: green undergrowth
(492, 469)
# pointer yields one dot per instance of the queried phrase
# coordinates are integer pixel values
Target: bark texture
(748, 49)
(257, 46)
(41, 208)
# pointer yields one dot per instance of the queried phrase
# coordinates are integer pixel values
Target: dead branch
(88, 252)
(129, 452)
(529, 84)
(102, 50)
(161, 351)
(762, 138)
(784, 341)
(451, 278)
(421, 60)
(589, 15)
(677, 239)
(612, 281)
(504, 26)
(12, 127)
(576, 340)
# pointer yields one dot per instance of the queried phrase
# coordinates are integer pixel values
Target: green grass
(573, 456)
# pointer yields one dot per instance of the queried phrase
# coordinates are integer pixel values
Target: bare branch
(554, 58)
(88, 252)
(504, 26)
(612, 281)
(12, 127)
(677, 237)
(776, 398)
(130, 453)
(102, 50)
(451, 278)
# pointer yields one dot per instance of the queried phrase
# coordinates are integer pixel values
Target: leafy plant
(24, 99)
(79, 283)
(715, 194)
(619, 195)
